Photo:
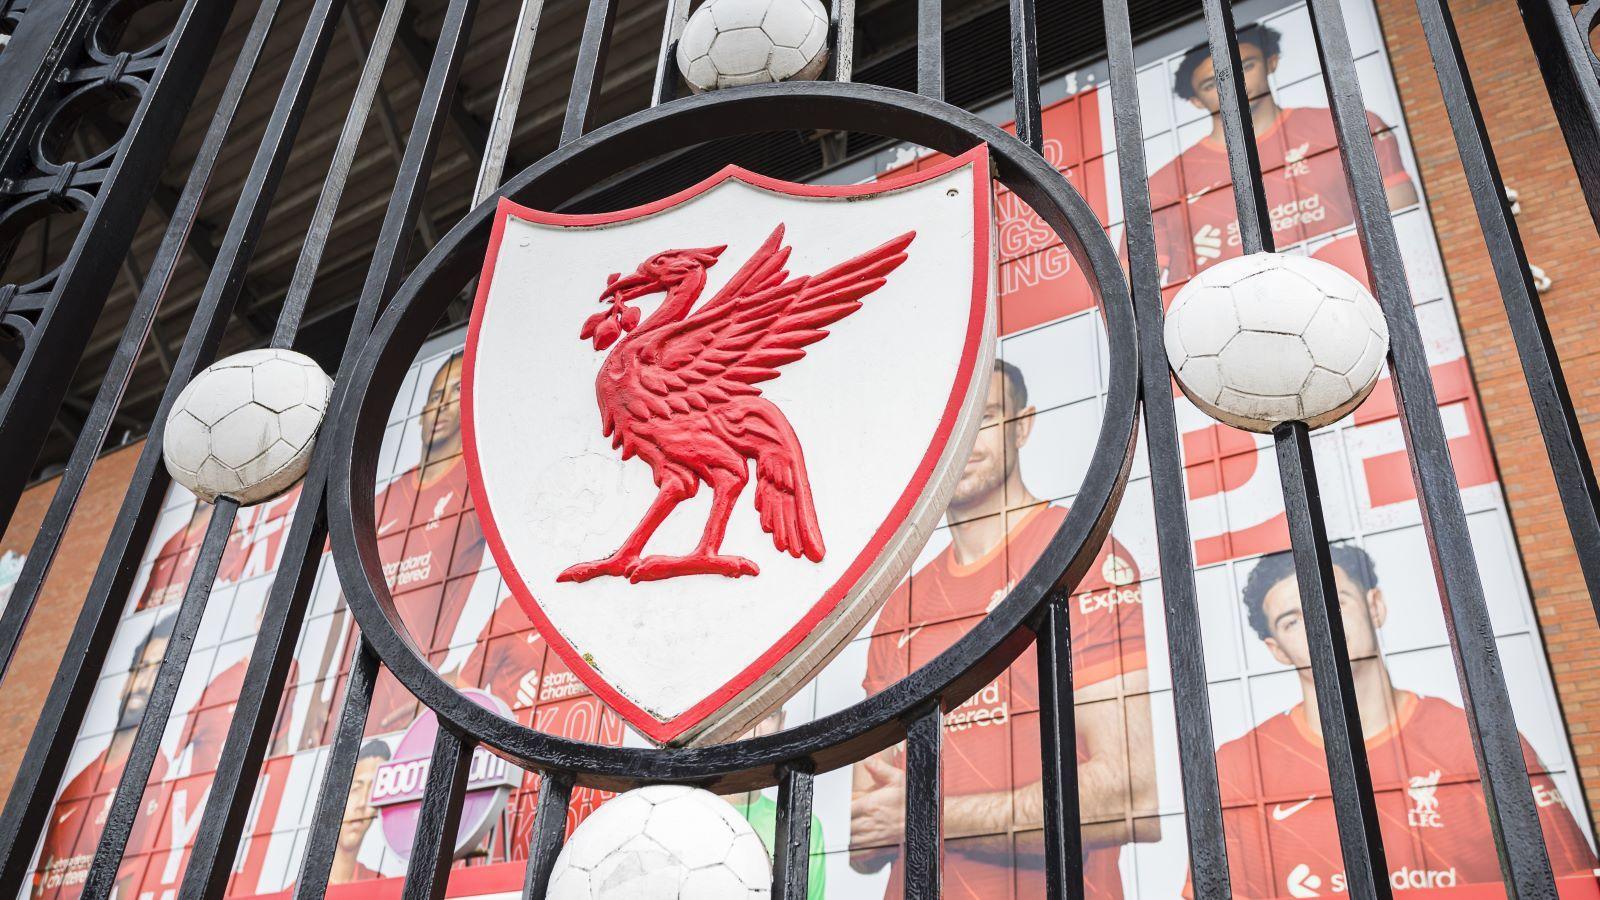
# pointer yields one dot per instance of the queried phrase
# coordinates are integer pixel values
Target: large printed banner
(1042, 413)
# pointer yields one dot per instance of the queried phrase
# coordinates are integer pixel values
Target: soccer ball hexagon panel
(728, 43)
(1268, 338)
(663, 842)
(244, 428)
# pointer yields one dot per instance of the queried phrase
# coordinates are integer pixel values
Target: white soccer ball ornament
(728, 43)
(245, 427)
(1269, 338)
(663, 842)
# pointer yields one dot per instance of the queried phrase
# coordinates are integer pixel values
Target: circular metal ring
(365, 394)
(127, 9)
(41, 207)
(128, 87)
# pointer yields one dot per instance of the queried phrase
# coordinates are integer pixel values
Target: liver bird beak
(623, 289)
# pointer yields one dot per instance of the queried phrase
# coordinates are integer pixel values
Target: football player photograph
(992, 776)
(359, 817)
(175, 561)
(81, 808)
(432, 550)
(1278, 811)
(1196, 221)
(760, 809)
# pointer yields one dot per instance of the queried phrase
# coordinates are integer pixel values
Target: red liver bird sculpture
(679, 391)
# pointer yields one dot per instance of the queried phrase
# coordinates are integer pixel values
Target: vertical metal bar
(388, 119)
(428, 873)
(344, 155)
(1361, 841)
(1025, 73)
(223, 821)
(32, 396)
(141, 320)
(666, 84)
(1541, 366)
(592, 50)
(1512, 815)
(1244, 160)
(1058, 741)
(1562, 51)
(129, 797)
(1360, 838)
(1202, 798)
(77, 295)
(842, 17)
(33, 57)
(32, 793)
(791, 837)
(334, 792)
(549, 825)
(930, 48)
(924, 804)
(504, 121)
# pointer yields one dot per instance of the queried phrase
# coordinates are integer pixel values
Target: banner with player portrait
(1041, 412)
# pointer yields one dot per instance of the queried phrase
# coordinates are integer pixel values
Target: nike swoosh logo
(906, 638)
(1281, 812)
(1198, 194)
(67, 815)
(388, 525)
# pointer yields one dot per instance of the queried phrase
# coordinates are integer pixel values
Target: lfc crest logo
(679, 392)
(817, 350)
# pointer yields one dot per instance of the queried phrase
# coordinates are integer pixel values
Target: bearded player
(1279, 817)
(1196, 221)
(993, 790)
(80, 812)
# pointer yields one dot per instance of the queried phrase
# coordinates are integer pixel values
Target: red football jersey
(78, 820)
(175, 561)
(431, 547)
(1279, 817)
(982, 753)
(206, 729)
(509, 666)
(1196, 221)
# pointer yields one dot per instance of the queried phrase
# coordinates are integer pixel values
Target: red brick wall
(39, 653)
(1560, 238)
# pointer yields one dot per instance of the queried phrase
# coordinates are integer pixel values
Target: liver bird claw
(678, 391)
(585, 571)
(655, 568)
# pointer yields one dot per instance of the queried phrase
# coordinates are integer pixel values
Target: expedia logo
(1108, 600)
(1547, 795)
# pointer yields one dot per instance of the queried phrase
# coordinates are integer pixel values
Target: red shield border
(666, 731)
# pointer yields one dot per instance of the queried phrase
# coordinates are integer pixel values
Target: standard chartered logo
(1302, 882)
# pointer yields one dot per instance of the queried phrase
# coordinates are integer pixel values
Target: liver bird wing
(758, 322)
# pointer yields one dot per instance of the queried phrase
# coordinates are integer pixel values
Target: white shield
(708, 436)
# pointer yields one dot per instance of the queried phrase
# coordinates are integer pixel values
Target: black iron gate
(56, 54)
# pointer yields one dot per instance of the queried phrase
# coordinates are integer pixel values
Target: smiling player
(1279, 816)
(1196, 221)
(993, 789)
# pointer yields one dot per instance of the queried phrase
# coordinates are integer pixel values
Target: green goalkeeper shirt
(762, 814)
